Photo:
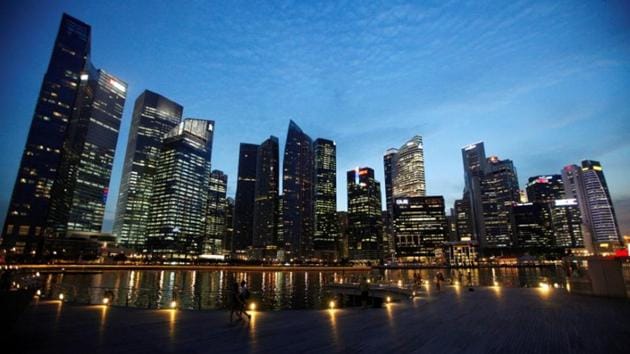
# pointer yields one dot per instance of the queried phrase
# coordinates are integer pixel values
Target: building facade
(177, 217)
(79, 195)
(265, 231)
(474, 160)
(409, 179)
(532, 225)
(297, 193)
(216, 214)
(28, 210)
(153, 116)
(567, 223)
(245, 197)
(365, 228)
(325, 208)
(545, 189)
(421, 227)
(499, 191)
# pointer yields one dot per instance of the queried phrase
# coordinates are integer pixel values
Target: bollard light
(555, 285)
(544, 286)
(39, 292)
(252, 306)
(388, 299)
(105, 300)
(496, 283)
(61, 296)
(331, 305)
(400, 283)
(173, 304)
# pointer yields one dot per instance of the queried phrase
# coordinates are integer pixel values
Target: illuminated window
(23, 231)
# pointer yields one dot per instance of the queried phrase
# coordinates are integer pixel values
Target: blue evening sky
(545, 83)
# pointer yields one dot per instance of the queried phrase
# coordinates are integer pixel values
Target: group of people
(238, 301)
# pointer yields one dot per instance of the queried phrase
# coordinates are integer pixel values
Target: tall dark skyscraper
(545, 189)
(499, 187)
(421, 227)
(245, 197)
(153, 116)
(326, 234)
(177, 217)
(474, 159)
(28, 210)
(365, 227)
(389, 164)
(216, 214)
(266, 196)
(298, 190)
(80, 192)
(390, 159)
(598, 213)
(463, 219)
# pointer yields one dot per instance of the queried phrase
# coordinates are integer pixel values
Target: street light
(331, 304)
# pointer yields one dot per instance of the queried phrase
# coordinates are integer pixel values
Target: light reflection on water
(271, 290)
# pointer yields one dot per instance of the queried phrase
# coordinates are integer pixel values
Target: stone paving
(487, 320)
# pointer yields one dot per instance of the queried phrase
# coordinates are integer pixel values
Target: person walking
(243, 296)
(469, 279)
(438, 280)
(364, 289)
(235, 302)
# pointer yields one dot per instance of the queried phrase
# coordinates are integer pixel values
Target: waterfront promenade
(455, 320)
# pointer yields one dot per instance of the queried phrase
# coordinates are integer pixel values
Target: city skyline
(443, 143)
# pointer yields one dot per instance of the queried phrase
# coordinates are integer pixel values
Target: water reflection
(270, 290)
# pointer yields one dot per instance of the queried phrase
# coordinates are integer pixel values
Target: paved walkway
(488, 320)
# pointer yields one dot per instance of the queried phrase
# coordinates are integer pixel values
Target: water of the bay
(272, 290)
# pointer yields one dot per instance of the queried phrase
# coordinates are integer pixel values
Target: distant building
(342, 226)
(297, 194)
(545, 189)
(266, 197)
(389, 163)
(365, 228)
(463, 219)
(532, 225)
(28, 209)
(474, 160)
(228, 237)
(177, 217)
(216, 214)
(421, 227)
(499, 191)
(80, 192)
(462, 253)
(153, 116)
(598, 213)
(409, 179)
(567, 223)
(326, 234)
(245, 197)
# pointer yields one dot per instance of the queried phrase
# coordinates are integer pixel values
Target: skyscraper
(474, 159)
(463, 219)
(499, 191)
(216, 214)
(298, 190)
(245, 197)
(545, 189)
(266, 195)
(28, 210)
(389, 163)
(80, 192)
(409, 179)
(532, 225)
(365, 228)
(567, 223)
(153, 116)
(598, 213)
(570, 180)
(177, 217)
(325, 238)
(418, 240)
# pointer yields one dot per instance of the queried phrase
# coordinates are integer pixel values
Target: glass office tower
(266, 197)
(245, 197)
(365, 227)
(153, 116)
(177, 217)
(325, 238)
(28, 209)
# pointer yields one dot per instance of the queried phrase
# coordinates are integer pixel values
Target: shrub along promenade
(489, 319)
